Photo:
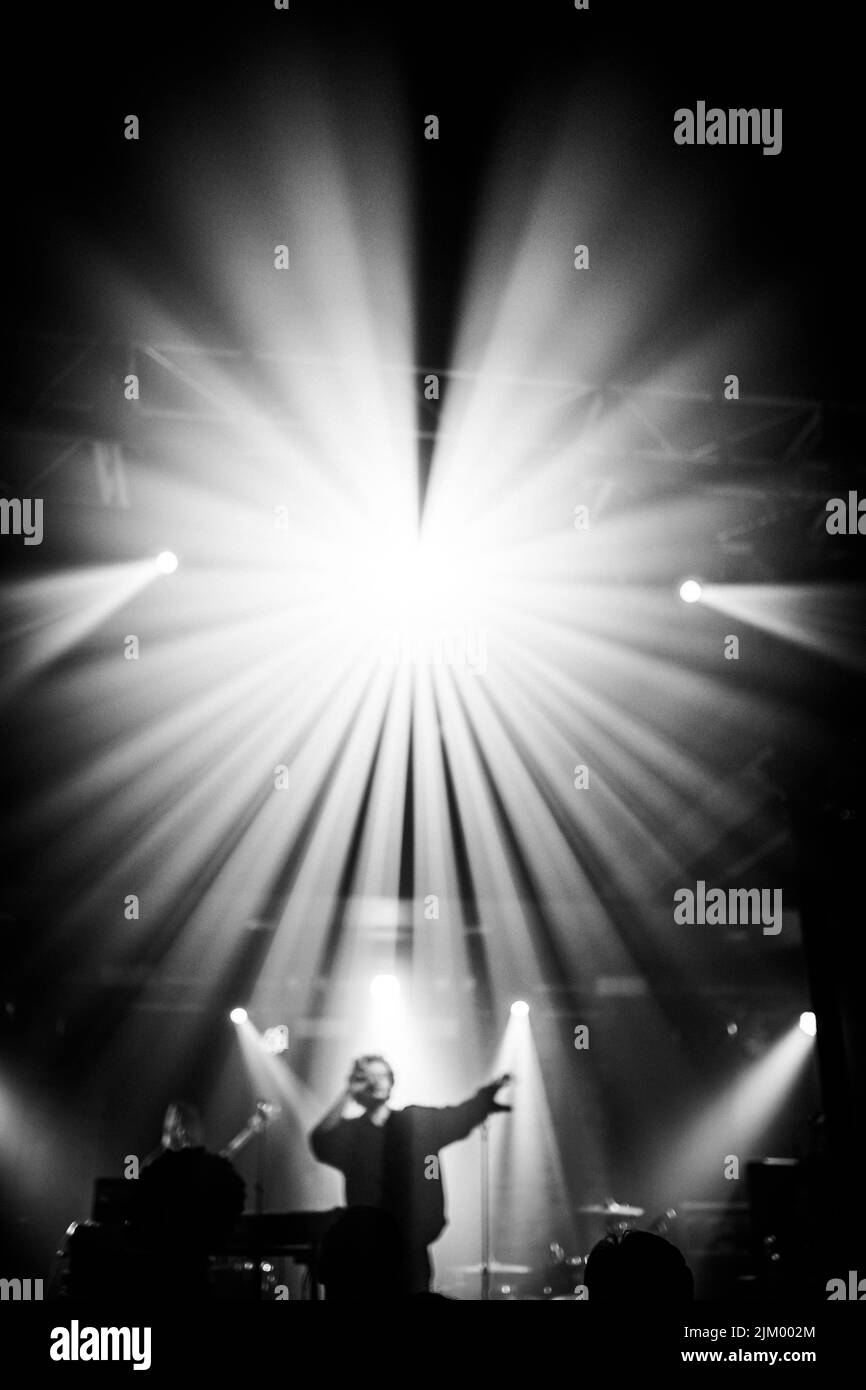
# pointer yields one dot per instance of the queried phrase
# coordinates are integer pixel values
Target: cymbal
(494, 1267)
(610, 1209)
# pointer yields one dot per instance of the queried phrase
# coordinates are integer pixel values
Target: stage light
(739, 1116)
(520, 1008)
(809, 1024)
(238, 1015)
(166, 562)
(732, 1030)
(690, 591)
(276, 1040)
(385, 988)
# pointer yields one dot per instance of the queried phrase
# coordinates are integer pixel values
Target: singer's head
(371, 1081)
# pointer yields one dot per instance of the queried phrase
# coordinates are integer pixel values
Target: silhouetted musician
(186, 1203)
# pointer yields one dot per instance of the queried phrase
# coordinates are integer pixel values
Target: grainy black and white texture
(439, 345)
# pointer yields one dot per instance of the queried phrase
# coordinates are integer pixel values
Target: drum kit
(561, 1277)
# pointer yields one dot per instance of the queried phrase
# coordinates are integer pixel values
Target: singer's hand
(493, 1105)
(359, 1082)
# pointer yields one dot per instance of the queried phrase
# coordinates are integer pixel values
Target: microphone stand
(259, 1190)
(485, 1213)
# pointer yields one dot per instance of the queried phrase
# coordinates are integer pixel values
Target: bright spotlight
(166, 562)
(520, 1008)
(385, 988)
(690, 591)
(809, 1024)
(238, 1015)
(732, 1029)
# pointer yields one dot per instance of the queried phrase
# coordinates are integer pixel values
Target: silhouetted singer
(390, 1161)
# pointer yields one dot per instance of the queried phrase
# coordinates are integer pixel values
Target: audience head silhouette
(637, 1267)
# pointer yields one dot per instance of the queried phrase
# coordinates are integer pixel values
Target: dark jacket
(395, 1166)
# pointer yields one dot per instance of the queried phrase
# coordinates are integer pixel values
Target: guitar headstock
(265, 1112)
(262, 1115)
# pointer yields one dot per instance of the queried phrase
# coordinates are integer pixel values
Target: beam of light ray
(528, 1186)
(167, 753)
(272, 1079)
(300, 1183)
(823, 618)
(46, 617)
(237, 879)
(446, 945)
(34, 1131)
(734, 1122)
